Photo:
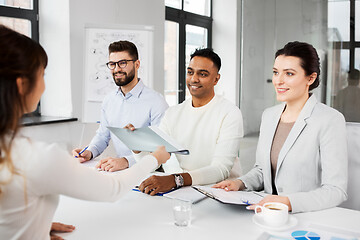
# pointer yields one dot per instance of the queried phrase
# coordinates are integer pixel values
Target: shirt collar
(136, 91)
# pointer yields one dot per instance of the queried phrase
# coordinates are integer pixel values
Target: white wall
(55, 38)
(226, 42)
(67, 135)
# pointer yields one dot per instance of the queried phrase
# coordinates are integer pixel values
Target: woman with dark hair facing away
(301, 156)
(33, 174)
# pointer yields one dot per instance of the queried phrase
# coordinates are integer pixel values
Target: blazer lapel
(296, 129)
(268, 139)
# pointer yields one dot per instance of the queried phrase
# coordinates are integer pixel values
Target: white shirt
(211, 133)
(48, 171)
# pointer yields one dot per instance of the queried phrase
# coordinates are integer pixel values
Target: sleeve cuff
(149, 163)
(131, 160)
(94, 151)
(139, 156)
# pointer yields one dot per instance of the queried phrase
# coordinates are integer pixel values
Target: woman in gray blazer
(301, 157)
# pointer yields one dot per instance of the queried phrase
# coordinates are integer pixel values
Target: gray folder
(147, 139)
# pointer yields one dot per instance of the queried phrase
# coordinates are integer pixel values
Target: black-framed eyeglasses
(121, 64)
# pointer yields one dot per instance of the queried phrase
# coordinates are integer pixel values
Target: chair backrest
(353, 138)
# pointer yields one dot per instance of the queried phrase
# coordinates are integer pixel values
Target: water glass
(182, 212)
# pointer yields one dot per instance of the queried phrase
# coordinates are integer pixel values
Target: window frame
(29, 14)
(352, 44)
(184, 18)
(33, 16)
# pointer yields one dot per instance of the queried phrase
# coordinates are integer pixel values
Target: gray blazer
(312, 164)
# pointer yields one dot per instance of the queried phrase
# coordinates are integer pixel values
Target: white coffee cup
(274, 214)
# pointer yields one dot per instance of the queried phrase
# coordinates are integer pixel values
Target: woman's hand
(60, 227)
(230, 185)
(161, 155)
(272, 198)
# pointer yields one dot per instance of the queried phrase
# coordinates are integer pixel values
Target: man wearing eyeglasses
(132, 102)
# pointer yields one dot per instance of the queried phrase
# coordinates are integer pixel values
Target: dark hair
(19, 57)
(310, 61)
(126, 46)
(354, 74)
(207, 53)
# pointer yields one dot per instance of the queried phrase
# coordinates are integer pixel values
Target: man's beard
(125, 80)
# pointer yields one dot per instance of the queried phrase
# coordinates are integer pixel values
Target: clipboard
(232, 197)
(147, 139)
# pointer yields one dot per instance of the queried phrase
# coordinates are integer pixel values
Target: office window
(174, 3)
(22, 26)
(201, 7)
(339, 16)
(21, 16)
(25, 4)
(357, 21)
(188, 26)
(343, 92)
(195, 37)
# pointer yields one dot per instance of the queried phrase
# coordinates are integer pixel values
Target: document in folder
(232, 197)
(147, 139)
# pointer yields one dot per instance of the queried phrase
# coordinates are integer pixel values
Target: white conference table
(139, 216)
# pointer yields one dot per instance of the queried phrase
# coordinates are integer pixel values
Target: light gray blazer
(312, 164)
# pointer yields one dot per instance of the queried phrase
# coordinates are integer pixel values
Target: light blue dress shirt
(141, 107)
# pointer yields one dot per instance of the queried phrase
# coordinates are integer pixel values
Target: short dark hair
(354, 74)
(124, 46)
(207, 53)
(310, 60)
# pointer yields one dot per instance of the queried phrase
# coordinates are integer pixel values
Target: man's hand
(85, 156)
(59, 227)
(132, 128)
(156, 184)
(113, 164)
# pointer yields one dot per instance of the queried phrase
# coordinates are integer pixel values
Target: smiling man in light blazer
(301, 157)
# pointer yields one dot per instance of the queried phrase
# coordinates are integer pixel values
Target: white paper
(312, 231)
(187, 194)
(234, 197)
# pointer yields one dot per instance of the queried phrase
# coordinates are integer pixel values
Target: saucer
(292, 221)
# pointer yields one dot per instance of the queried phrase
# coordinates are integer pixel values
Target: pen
(136, 188)
(82, 151)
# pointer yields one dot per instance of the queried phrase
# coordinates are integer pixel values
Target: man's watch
(179, 180)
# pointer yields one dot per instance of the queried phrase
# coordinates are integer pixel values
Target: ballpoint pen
(136, 188)
(82, 151)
